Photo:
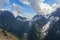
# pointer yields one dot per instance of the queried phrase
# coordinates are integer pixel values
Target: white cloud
(7, 1)
(17, 10)
(15, 13)
(25, 2)
(2, 3)
(58, 1)
(56, 5)
(39, 6)
(42, 8)
(28, 16)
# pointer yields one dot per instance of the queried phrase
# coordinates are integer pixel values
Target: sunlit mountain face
(31, 19)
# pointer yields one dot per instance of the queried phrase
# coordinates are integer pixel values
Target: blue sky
(25, 8)
(50, 2)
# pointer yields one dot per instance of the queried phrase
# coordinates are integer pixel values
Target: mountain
(39, 28)
(21, 18)
(9, 23)
(6, 20)
(38, 22)
(54, 32)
